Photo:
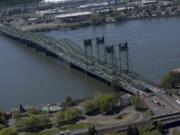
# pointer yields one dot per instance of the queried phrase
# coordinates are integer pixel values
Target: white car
(67, 132)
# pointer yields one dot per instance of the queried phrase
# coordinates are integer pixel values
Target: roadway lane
(155, 108)
(170, 100)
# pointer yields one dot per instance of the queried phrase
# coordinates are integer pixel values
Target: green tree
(44, 121)
(171, 80)
(89, 106)
(92, 131)
(96, 19)
(135, 131)
(160, 127)
(32, 122)
(69, 101)
(3, 121)
(138, 103)
(16, 114)
(72, 113)
(130, 130)
(60, 118)
(108, 101)
(67, 116)
(33, 110)
(8, 131)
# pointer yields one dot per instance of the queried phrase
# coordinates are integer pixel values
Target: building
(126, 99)
(148, 2)
(49, 13)
(73, 17)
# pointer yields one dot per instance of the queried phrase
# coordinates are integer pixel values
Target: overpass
(168, 121)
(68, 52)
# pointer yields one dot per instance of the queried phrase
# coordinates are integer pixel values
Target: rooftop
(72, 14)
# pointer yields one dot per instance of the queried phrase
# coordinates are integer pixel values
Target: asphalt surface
(156, 108)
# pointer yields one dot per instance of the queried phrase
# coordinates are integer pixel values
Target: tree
(69, 101)
(32, 123)
(171, 80)
(101, 102)
(135, 131)
(92, 131)
(89, 106)
(97, 19)
(108, 101)
(44, 121)
(29, 123)
(33, 110)
(160, 127)
(8, 131)
(3, 121)
(70, 114)
(16, 114)
(60, 118)
(67, 116)
(130, 130)
(138, 103)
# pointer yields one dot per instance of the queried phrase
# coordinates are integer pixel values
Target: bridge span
(65, 50)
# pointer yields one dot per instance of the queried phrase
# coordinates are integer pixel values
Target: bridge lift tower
(88, 51)
(110, 53)
(123, 57)
(100, 45)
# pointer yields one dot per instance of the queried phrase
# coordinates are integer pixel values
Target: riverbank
(71, 26)
(72, 116)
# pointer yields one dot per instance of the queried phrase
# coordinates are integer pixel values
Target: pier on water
(68, 52)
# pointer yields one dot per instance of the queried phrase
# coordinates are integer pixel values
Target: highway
(110, 128)
(123, 127)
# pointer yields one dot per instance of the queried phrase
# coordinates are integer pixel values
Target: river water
(31, 78)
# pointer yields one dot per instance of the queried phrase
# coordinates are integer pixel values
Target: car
(67, 132)
(61, 133)
(156, 101)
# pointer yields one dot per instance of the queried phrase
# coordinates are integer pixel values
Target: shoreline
(72, 26)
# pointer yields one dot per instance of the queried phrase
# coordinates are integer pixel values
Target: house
(126, 99)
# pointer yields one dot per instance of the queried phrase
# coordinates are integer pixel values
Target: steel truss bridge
(67, 51)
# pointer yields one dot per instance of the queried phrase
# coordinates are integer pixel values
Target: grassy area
(148, 113)
(176, 132)
(123, 133)
(75, 126)
(46, 132)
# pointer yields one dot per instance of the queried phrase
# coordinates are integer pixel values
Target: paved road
(157, 109)
(170, 100)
